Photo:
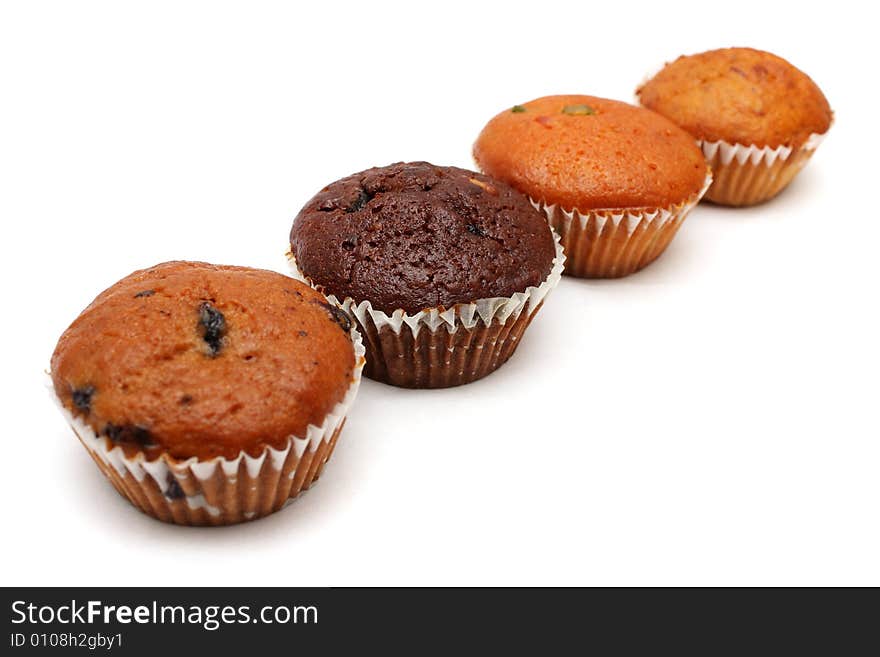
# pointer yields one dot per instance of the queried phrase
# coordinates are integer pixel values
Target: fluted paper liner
(749, 174)
(221, 491)
(443, 347)
(618, 242)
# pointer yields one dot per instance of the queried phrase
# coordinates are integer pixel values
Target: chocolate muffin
(442, 268)
(208, 394)
(614, 180)
(757, 117)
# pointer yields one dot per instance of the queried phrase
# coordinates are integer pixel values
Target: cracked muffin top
(739, 95)
(414, 236)
(588, 153)
(193, 359)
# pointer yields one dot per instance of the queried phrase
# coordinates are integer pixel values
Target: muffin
(614, 180)
(757, 118)
(207, 394)
(441, 268)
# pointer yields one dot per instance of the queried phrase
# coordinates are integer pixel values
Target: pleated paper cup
(444, 347)
(221, 491)
(618, 242)
(747, 175)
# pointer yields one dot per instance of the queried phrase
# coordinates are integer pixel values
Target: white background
(711, 420)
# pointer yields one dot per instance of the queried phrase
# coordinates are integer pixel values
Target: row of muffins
(211, 395)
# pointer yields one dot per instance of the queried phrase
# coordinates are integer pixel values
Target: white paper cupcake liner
(725, 153)
(442, 347)
(749, 174)
(616, 242)
(220, 491)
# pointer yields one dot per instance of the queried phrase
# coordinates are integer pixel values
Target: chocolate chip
(302, 334)
(82, 398)
(214, 324)
(349, 243)
(360, 201)
(144, 293)
(129, 433)
(473, 229)
(186, 399)
(337, 315)
(173, 491)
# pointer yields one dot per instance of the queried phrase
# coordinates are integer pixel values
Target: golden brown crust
(193, 359)
(590, 153)
(739, 95)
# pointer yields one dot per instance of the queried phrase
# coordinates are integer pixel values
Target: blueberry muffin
(614, 180)
(441, 268)
(757, 118)
(208, 394)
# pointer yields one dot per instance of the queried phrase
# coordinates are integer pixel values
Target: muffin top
(587, 153)
(413, 236)
(193, 359)
(739, 95)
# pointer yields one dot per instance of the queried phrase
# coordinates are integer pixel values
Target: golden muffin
(208, 394)
(614, 180)
(757, 118)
